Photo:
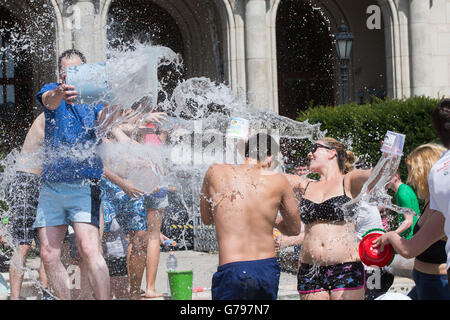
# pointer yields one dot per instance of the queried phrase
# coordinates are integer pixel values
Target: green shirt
(406, 198)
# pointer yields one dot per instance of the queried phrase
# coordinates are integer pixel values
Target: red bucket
(371, 256)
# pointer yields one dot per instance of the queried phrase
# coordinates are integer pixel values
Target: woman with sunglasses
(329, 263)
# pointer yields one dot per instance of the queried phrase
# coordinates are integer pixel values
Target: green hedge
(362, 127)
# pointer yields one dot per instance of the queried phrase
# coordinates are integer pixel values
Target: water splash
(198, 108)
(381, 175)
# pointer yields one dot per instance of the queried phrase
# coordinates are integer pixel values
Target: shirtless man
(243, 201)
(23, 200)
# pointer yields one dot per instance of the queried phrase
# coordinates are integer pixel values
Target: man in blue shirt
(70, 191)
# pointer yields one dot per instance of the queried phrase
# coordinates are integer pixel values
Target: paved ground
(203, 265)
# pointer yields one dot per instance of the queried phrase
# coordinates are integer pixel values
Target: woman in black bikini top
(329, 261)
(329, 210)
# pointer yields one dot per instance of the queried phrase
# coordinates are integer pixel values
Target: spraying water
(381, 175)
(200, 112)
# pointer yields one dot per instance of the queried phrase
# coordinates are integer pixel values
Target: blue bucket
(91, 83)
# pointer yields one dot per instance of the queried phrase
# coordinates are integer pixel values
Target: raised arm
(121, 137)
(125, 185)
(357, 179)
(405, 201)
(110, 116)
(378, 177)
(289, 223)
(52, 99)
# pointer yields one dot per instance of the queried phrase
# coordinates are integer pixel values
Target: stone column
(256, 51)
(83, 28)
(420, 48)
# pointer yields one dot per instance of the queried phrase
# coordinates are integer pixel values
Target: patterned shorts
(343, 276)
(23, 202)
(130, 213)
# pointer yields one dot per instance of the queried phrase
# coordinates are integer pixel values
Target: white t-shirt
(439, 186)
(368, 217)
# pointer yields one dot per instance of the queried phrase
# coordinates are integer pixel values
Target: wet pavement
(203, 265)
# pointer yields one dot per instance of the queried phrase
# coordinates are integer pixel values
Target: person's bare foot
(151, 294)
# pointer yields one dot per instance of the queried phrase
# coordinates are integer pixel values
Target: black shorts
(23, 199)
(343, 276)
(117, 266)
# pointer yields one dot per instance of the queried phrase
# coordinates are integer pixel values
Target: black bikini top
(328, 211)
(433, 254)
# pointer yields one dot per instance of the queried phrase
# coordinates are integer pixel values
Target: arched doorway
(304, 58)
(145, 22)
(16, 92)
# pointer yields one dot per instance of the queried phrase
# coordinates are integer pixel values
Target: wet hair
(261, 146)
(69, 54)
(345, 158)
(419, 163)
(440, 119)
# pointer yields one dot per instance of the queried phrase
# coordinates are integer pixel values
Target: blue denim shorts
(429, 287)
(66, 203)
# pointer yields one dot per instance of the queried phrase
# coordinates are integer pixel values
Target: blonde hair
(345, 158)
(419, 163)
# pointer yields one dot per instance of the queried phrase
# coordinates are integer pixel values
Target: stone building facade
(279, 52)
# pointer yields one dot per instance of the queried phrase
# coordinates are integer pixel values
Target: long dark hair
(440, 119)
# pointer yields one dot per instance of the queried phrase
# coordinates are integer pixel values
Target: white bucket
(393, 143)
(238, 128)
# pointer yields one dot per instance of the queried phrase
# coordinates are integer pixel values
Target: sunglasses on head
(318, 145)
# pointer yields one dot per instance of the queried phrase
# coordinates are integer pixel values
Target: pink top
(151, 138)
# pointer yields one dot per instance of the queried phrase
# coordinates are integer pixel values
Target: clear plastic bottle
(171, 265)
(171, 262)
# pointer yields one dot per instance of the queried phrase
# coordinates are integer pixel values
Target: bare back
(245, 201)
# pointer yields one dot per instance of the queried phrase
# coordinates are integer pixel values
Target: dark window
(305, 58)
(145, 22)
(16, 96)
